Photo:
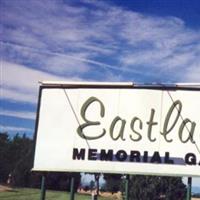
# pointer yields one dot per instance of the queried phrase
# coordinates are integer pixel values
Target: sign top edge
(119, 84)
(65, 83)
(83, 83)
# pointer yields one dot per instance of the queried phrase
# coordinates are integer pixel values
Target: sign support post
(72, 188)
(43, 188)
(127, 187)
(189, 188)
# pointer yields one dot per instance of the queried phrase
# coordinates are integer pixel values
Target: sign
(118, 128)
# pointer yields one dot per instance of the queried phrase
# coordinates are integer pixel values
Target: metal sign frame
(102, 85)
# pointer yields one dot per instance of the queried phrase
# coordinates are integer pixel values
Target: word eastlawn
(185, 132)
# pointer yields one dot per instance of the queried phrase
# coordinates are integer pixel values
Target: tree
(92, 185)
(61, 180)
(4, 157)
(113, 182)
(20, 158)
(155, 188)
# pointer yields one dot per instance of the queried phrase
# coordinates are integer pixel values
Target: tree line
(16, 161)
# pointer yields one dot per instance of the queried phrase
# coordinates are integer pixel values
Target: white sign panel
(119, 129)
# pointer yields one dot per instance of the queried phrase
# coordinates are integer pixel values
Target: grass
(34, 194)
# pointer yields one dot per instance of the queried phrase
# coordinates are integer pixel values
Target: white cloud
(192, 74)
(19, 96)
(19, 114)
(20, 83)
(13, 128)
(63, 63)
(23, 78)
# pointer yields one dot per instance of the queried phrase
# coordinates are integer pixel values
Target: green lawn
(34, 194)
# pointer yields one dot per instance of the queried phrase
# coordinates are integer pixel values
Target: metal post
(96, 176)
(43, 188)
(189, 188)
(72, 189)
(127, 188)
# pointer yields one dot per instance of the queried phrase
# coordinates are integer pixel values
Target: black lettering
(135, 156)
(121, 155)
(145, 156)
(156, 158)
(190, 159)
(78, 155)
(92, 154)
(167, 158)
(106, 155)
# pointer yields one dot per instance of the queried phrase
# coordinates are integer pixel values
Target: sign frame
(110, 85)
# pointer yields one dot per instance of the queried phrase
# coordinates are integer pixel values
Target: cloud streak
(19, 114)
(14, 128)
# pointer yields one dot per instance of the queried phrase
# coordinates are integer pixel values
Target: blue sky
(120, 40)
